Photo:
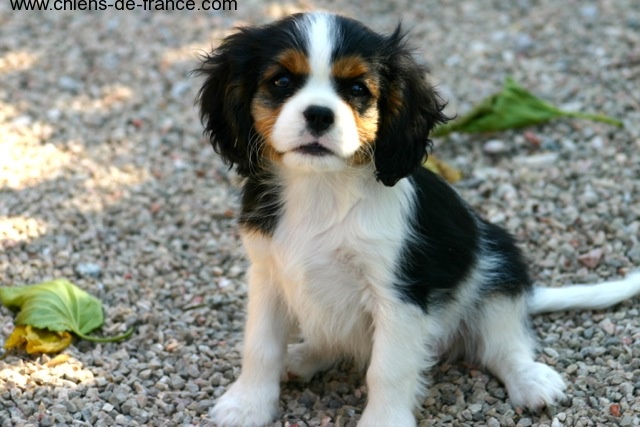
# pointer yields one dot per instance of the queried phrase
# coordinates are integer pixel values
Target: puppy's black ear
(409, 109)
(225, 98)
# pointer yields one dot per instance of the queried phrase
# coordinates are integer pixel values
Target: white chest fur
(333, 254)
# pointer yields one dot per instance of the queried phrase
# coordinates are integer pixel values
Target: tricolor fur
(373, 257)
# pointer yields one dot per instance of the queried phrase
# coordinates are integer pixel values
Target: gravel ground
(106, 180)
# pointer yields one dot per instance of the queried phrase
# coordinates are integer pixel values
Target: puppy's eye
(358, 89)
(282, 81)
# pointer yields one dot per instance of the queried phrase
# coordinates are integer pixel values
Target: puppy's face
(318, 92)
(317, 104)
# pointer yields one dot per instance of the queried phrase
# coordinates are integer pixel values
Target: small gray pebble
(89, 269)
(495, 146)
(69, 84)
(551, 352)
(589, 12)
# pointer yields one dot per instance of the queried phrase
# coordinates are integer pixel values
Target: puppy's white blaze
(321, 41)
(320, 32)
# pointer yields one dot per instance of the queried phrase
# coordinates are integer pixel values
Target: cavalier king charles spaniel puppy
(353, 244)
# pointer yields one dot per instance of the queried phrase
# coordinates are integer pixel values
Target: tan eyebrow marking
(354, 67)
(349, 67)
(295, 61)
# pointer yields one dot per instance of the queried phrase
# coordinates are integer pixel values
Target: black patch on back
(444, 244)
(447, 240)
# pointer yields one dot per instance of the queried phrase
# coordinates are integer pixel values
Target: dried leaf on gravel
(57, 306)
(513, 107)
(448, 172)
(35, 340)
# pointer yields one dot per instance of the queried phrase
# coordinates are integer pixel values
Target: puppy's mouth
(313, 149)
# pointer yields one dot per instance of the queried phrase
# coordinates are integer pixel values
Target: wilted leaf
(58, 306)
(448, 172)
(514, 107)
(35, 340)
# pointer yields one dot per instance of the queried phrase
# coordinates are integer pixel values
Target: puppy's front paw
(536, 386)
(246, 405)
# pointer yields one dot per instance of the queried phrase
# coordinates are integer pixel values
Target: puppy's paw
(374, 416)
(536, 386)
(246, 406)
(303, 362)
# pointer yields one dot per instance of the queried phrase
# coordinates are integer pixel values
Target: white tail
(584, 297)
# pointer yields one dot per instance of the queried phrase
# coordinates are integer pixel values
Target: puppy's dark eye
(282, 81)
(358, 89)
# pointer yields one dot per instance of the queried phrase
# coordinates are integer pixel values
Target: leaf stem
(594, 117)
(124, 336)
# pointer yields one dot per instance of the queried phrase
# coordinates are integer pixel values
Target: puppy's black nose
(319, 119)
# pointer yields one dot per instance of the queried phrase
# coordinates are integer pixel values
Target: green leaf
(58, 306)
(514, 107)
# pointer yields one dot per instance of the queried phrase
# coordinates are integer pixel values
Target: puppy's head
(318, 92)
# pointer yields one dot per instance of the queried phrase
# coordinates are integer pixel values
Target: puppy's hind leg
(506, 348)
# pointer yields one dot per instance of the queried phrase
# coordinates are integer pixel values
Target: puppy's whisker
(255, 150)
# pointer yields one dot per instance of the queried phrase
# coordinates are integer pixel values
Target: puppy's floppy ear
(409, 109)
(231, 75)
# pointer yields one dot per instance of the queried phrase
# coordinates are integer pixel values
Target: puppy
(373, 257)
